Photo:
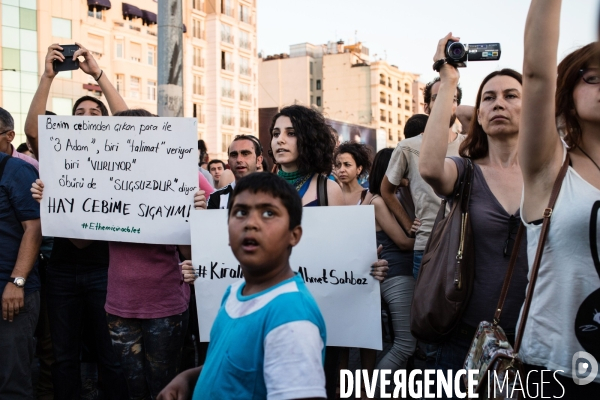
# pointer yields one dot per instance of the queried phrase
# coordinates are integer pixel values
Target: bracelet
(438, 64)
(99, 76)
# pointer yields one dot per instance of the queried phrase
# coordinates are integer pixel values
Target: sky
(405, 33)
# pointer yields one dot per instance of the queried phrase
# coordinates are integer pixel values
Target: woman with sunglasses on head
(563, 318)
(491, 144)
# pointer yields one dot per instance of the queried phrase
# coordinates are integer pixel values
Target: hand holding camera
(65, 58)
(451, 51)
(447, 70)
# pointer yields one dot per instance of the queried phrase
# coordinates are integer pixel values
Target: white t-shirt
(559, 322)
(405, 164)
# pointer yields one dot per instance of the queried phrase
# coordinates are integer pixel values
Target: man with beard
(245, 154)
(405, 164)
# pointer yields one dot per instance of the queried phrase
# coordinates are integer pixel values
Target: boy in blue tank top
(268, 339)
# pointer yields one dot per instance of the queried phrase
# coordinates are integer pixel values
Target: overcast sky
(405, 33)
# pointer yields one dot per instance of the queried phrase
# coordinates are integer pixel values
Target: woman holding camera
(491, 144)
(563, 319)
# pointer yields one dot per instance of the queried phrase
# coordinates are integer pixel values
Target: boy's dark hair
(101, 106)
(415, 125)
(22, 148)
(134, 112)
(429, 86)
(359, 152)
(211, 162)
(380, 164)
(257, 146)
(314, 139)
(6, 120)
(275, 186)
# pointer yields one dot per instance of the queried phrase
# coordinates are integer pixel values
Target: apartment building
(342, 82)
(219, 65)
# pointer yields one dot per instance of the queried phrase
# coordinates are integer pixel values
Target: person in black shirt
(245, 154)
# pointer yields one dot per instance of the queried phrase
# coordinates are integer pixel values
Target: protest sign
(334, 257)
(126, 179)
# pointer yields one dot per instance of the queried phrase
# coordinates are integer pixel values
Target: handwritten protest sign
(334, 257)
(126, 179)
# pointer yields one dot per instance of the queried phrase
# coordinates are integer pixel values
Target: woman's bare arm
(390, 226)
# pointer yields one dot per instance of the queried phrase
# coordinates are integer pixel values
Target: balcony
(226, 38)
(247, 71)
(406, 91)
(198, 90)
(227, 120)
(382, 100)
(407, 108)
(245, 44)
(245, 123)
(245, 97)
(382, 118)
(228, 93)
(382, 82)
(227, 66)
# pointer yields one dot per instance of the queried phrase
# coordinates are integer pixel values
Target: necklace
(588, 156)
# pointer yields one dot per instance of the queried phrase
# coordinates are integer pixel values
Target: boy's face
(259, 233)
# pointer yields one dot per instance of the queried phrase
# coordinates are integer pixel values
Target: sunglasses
(590, 75)
(509, 243)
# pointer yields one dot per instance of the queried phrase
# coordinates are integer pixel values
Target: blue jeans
(71, 295)
(417, 258)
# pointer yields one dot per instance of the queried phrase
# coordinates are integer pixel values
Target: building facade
(344, 84)
(219, 65)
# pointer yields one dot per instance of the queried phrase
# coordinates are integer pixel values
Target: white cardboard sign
(125, 179)
(334, 257)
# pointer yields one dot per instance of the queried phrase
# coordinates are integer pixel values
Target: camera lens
(456, 51)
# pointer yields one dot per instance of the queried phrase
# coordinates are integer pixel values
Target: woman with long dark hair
(563, 319)
(494, 205)
(352, 162)
(302, 147)
(397, 249)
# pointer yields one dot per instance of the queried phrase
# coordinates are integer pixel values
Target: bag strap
(3, 164)
(540, 251)
(465, 193)
(509, 274)
(322, 190)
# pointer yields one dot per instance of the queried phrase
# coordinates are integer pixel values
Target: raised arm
(38, 103)
(435, 169)
(388, 194)
(90, 67)
(540, 150)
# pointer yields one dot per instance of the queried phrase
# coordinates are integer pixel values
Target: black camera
(458, 54)
(70, 63)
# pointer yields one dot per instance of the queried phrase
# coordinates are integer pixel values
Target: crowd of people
(130, 308)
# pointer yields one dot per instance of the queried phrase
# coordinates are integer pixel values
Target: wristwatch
(19, 282)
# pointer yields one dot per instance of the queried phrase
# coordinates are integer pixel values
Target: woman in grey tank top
(495, 196)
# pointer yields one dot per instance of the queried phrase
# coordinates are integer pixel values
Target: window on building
(151, 55)
(398, 83)
(244, 118)
(226, 35)
(312, 98)
(381, 79)
(318, 84)
(245, 40)
(244, 13)
(198, 61)
(134, 87)
(406, 105)
(400, 135)
(198, 113)
(319, 101)
(119, 53)
(226, 61)
(136, 52)
(382, 115)
(198, 5)
(245, 66)
(61, 27)
(226, 139)
(399, 119)
(399, 102)
(227, 88)
(152, 90)
(390, 137)
(245, 94)
(311, 84)
(311, 67)
(406, 88)
(382, 97)
(95, 13)
(390, 99)
(95, 44)
(119, 83)
(227, 7)
(390, 117)
(198, 89)
(227, 116)
(197, 28)
(389, 82)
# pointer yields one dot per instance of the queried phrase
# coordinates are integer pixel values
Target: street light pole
(170, 59)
